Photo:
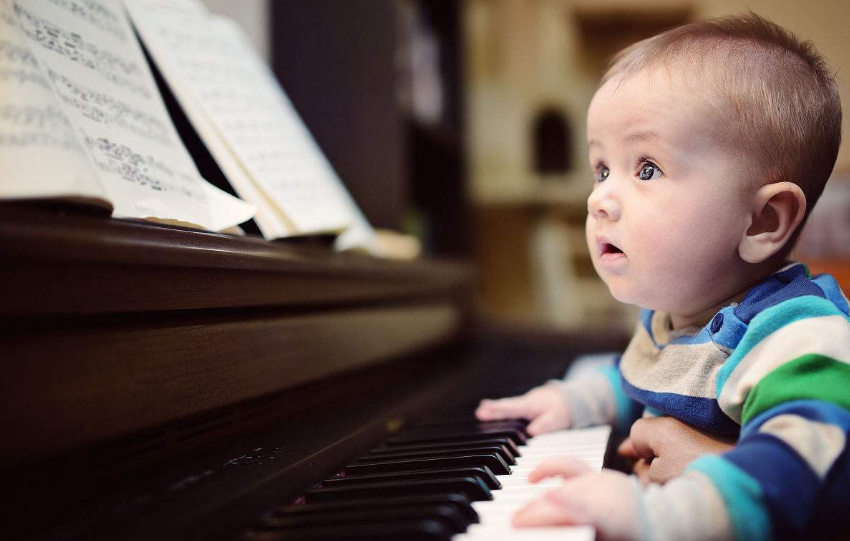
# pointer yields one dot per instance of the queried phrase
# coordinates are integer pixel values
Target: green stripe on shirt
(770, 321)
(812, 376)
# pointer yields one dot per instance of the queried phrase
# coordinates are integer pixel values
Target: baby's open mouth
(610, 249)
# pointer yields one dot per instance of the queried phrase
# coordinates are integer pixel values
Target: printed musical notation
(74, 47)
(17, 64)
(97, 14)
(109, 110)
(94, 72)
(29, 125)
(28, 121)
(39, 150)
(246, 120)
(210, 61)
(141, 170)
(22, 77)
(16, 54)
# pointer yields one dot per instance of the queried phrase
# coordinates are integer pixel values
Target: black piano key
(518, 424)
(463, 413)
(517, 433)
(472, 488)
(506, 442)
(457, 502)
(436, 435)
(445, 514)
(481, 472)
(499, 450)
(463, 427)
(411, 530)
(494, 462)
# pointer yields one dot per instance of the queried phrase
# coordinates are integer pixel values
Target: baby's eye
(602, 173)
(649, 171)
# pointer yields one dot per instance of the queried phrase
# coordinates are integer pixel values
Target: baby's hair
(775, 92)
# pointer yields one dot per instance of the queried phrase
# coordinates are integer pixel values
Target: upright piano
(163, 383)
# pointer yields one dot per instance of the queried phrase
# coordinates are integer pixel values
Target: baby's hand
(607, 501)
(544, 406)
(662, 447)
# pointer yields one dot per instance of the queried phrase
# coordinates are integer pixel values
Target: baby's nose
(602, 203)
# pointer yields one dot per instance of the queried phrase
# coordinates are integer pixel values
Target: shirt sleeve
(788, 385)
(597, 398)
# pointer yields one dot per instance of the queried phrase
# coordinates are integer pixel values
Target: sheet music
(39, 150)
(91, 60)
(231, 95)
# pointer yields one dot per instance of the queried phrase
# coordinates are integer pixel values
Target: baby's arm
(787, 384)
(687, 508)
(589, 399)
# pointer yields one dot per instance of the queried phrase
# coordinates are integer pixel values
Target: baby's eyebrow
(642, 135)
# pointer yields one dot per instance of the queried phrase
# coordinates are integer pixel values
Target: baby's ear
(778, 208)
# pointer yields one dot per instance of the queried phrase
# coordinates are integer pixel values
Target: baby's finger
(642, 471)
(627, 449)
(505, 408)
(544, 423)
(547, 511)
(564, 466)
(645, 440)
(662, 470)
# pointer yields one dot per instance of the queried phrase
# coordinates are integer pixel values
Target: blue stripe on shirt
(646, 322)
(701, 412)
(732, 330)
(742, 495)
(703, 336)
(832, 291)
(770, 321)
(789, 486)
(792, 490)
(628, 411)
(776, 288)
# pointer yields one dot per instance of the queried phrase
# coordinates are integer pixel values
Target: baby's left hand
(608, 500)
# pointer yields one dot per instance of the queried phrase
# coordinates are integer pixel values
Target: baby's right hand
(544, 406)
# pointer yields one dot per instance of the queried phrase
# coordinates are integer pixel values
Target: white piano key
(569, 533)
(587, 445)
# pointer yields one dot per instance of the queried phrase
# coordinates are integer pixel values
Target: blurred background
(462, 123)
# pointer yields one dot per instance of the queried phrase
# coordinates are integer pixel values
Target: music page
(91, 60)
(39, 150)
(238, 108)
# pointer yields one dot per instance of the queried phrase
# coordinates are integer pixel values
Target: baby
(709, 145)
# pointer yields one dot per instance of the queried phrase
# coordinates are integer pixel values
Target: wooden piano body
(163, 383)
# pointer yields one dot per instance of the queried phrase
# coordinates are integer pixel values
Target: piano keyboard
(587, 445)
(435, 482)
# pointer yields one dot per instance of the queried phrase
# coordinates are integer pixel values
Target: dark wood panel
(110, 327)
(72, 385)
(56, 262)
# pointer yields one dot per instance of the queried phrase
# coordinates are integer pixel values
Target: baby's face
(669, 204)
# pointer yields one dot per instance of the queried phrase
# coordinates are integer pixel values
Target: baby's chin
(628, 294)
(618, 287)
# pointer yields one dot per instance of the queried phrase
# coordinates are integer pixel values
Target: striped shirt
(775, 369)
